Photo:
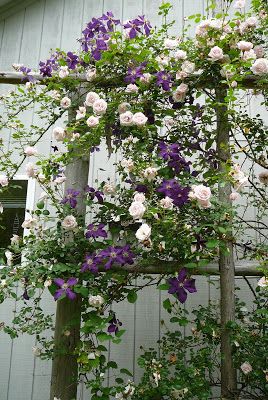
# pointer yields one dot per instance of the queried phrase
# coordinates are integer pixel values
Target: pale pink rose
(260, 66)
(216, 53)
(139, 197)
(132, 88)
(188, 67)
(241, 183)
(136, 210)
(63, 72)
(59, 179)
(9, 257)
(55, 94)
(216, 24)
(65, 102)
(30, 151)
(263, 282)
(109, 188)
(249, 55)
(202, 194)
(150, 173)
(59, 133)
(15, 239)
(31, 170)
(162, 60)
(180, 75)
(167, 203)
(263, 177)
(100, 107)
(96, 301)
(139, 119)
(123, 107)
(69, 223)
(262, 14)
(92, 121)
(169, 121)
(146, 77)
(170, 43)
(91, 74)
(143, 233)
(234, 84)
(29, 222)
(259, 51)
(240, 4)
(126, 118)
(234, 196)
(180, 55)
(246, 368)
(75, 136)
(243, 27)
(91, 97)
(244, 46)
(81, 113)
(127, 164)
(251, 22)
(180, 92)
(3, 180)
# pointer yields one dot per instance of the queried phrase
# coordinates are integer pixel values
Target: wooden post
(64, 374)
(226, 257)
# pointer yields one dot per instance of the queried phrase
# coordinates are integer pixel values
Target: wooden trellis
(64, 367)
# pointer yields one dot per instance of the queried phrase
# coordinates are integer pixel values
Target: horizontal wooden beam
(168, 267)
(15, 78)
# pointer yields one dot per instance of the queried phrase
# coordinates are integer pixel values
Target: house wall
(26, 37)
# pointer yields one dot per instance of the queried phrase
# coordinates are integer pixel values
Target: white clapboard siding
(27, 36)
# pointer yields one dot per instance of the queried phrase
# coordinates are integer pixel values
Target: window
(14, 203)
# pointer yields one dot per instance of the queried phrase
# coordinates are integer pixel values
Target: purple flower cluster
(135, 26)
(179, 285)
(94, 193)
(175, 191)
(171, 153)
(120, 255)
(27, 75)
(164, 80)
(114, 324)
(72, 60)
(133, 73)
(96, 34)
(70, 197)
(50, 65)
(95, 231)
(64, 288)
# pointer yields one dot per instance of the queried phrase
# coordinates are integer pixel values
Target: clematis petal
(59, 281)
(58, 294)
(182, 295)
(70, 294)
(190, 285)
(72, 281)
(182, 275)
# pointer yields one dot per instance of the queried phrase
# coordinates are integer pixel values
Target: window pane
(14, 202)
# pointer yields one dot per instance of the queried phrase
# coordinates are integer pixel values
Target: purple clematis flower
(172, 189)
(167, 151)
(179, 285)
(133, 73)
(141, 188)
(110, 20)
(117, 255)
(114, 325)
(64, 288)
(70, 197)
(90, 264)
(94, 193)
(163, 79)
(72, 60)
(145, 23)
(96, 231)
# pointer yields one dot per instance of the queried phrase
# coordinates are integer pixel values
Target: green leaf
(112, 364)
(132, 296)
(102, 336)
(163, 286)
(167, 305)
(126, 371)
